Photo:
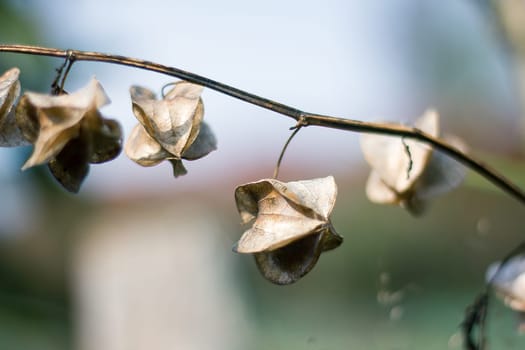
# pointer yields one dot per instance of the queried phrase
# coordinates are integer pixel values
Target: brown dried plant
(291, 225)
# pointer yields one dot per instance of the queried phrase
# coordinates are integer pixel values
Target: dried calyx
(170, 129)
(409, 173)
(68, 132)
(10, 135)
(291, 225)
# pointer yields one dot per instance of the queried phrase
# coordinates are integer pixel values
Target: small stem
(164, 87)
(308, 118)
(55, 90)
(276, 170)
(483, 323)
(70, 60)
(475, 318)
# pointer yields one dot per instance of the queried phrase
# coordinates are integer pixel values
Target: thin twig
(483, 312)
(309, 118)
(278, 165)
(164, 88)
(55, 89)
(475, 317)
(70, 59)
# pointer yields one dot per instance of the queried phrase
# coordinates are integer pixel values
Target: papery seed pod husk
(290, 263)
(442, 173)
(9, 92)
(10, 134)
(409, 173)
(106, 141)
(99, 141)
(71, 166)
(204, 143)
(291, 225)
(388, 157)
(57, 119)
(175, 120)
(198, 115)
(27, 120)
(170, 129)
(143, 149)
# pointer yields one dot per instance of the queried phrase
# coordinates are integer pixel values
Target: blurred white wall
(155, 276)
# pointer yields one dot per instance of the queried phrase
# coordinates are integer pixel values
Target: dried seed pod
(143, 149)
(106, 141)
(50, 122)
(408, 173)
(509, 283)
(291, 225)
(170, 129)
(69, 132)
(204, 143)
(71, 166)
(10, 134)
(9, 92)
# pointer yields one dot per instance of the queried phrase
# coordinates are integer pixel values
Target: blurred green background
(397, 282)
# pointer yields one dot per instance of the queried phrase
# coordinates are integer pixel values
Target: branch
(306, 118)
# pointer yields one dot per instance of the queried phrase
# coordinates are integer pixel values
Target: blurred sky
(346, 58)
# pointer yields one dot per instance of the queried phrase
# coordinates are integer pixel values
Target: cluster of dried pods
(290, 222)
(68, 131)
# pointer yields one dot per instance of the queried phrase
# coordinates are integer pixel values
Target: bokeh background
(139, 260)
